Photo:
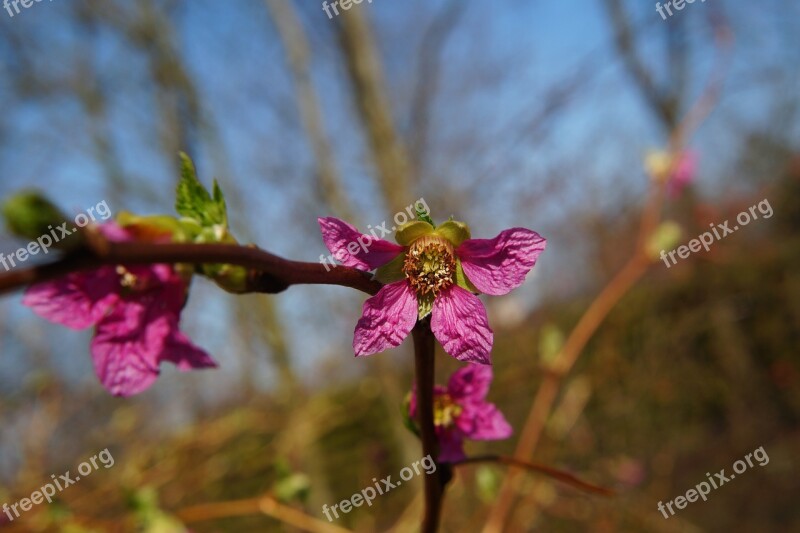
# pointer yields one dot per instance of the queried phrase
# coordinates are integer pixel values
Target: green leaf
(423, 215)
(193, 200)
(219, 200)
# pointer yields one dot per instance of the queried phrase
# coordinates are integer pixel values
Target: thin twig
(564, 477)
(266, 505)
(633, 270)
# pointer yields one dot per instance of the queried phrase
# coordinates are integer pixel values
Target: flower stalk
(424, 365)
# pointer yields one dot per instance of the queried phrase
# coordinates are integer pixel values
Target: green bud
(551, 339)
(665, 237)
(30, 215)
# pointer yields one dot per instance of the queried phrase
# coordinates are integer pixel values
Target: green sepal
(391, 271)
(454, 231)
(230, 278)
(192, 200)
(411, 231)
(462, 280)
(151, 227)
(425, 305)
(409, 422)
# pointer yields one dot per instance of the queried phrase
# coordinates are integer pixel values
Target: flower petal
(180, 351)
(460, 324)
(470, 383)
(353, 248)
(483, 421)
(497, 266)
(77, 300)
(126, 347)
(451, 445)
(386, 319)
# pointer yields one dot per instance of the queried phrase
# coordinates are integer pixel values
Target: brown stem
(564, 477)
(266, 505)
(424, 347)
(269, 273)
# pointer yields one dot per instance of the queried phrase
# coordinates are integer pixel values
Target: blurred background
(503, 113)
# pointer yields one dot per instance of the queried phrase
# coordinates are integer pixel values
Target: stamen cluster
(445, 410)
(430, 265)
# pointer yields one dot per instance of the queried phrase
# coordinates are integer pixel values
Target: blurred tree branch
(372, 102)
(429, 71)
(630, 273)
(298, 57)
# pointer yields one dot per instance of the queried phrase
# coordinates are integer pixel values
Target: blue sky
(496, 68)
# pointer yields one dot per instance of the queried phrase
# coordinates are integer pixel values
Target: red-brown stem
(564, 477)
(424, 348)
(269, 273)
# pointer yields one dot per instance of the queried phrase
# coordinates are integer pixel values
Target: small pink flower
(460, 412)
(434, 271)
(683, 174)
(136, 310)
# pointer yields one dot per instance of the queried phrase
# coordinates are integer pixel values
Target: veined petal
(497, 266)
(386, 319)
(77, 300)
(126, 348)
(470, 383)
(353, 248)
(460, 324)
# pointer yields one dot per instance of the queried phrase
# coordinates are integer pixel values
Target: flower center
(445, 410)
(430, 265)
(130, 282)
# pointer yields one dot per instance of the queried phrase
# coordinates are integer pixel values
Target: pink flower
(683, 174)
(136, 310)
(460, 411)
(434, 271)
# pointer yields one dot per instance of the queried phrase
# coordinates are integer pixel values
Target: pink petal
(77, 300)
(483, 422)
(365, 251)
(126, 347)
(470, 382)
(497, 266)
(180, 351)
(114, 232)
(386, 319)
(451, 445)
(459, 323)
